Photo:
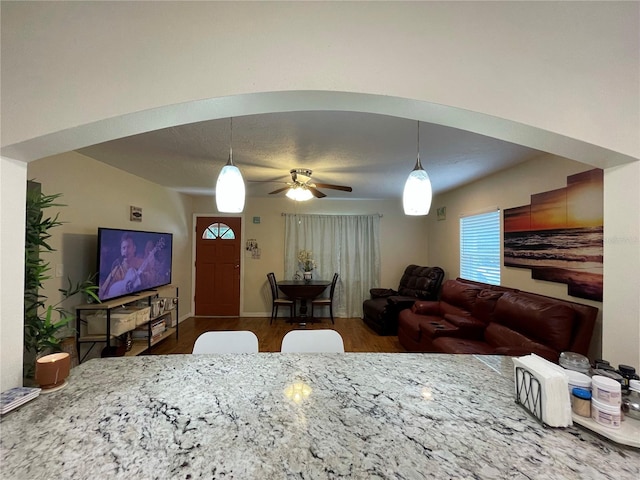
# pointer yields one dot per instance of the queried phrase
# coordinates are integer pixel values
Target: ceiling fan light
(299, 194)
(230, 191)
(416, 198)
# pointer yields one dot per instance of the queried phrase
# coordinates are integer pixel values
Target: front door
(217, 289)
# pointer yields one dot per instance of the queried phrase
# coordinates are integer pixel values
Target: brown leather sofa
(477, 318)
(380, 312)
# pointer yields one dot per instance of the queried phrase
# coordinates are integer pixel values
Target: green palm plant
(44, 322)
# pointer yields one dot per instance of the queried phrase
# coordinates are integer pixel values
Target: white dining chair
(242, 341)
(312, 341)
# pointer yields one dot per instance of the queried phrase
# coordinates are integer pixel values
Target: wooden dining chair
(276, 300)
(326, 301)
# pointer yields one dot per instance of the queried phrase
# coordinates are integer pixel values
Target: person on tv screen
(129, 273)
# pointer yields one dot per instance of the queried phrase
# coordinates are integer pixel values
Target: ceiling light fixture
(299, 193)
(230, 191)
(416, 198)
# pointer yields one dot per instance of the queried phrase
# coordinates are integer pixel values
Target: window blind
(480, 247)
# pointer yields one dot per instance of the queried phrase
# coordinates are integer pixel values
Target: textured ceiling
(371, 153)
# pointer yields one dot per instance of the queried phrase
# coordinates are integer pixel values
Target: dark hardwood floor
(356, 335)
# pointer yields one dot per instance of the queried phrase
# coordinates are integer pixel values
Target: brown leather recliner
(380, 312)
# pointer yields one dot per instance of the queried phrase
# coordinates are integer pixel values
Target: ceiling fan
(302, 188)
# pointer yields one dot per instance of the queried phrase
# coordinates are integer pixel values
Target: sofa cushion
(469, 327)
(501, 336)
(481, 347)
(462, 345)
(459, 294)
(510, 342)
(528, 349)
(537, 318)
(484, 304)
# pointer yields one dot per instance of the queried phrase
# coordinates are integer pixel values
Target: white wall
(13, 178)
(621, 329)
(558, 76)
(97, 195)
(569, 69)
(510, 188)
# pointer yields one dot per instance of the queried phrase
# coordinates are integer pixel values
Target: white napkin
(556, 404)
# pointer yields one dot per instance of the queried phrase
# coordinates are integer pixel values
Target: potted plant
(307, 263)
(43, 323)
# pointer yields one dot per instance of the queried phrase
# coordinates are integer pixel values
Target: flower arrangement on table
(306, 261)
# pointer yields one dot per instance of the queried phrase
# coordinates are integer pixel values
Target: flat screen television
(131, 261)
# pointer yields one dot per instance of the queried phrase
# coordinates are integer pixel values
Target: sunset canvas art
(559, 236)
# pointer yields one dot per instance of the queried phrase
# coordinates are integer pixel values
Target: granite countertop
(272, 416)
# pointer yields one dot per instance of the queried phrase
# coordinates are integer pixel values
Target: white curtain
(345, 244)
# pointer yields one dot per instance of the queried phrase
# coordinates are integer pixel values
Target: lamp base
(53, 389)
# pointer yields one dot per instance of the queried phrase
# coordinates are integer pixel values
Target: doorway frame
(194, 219)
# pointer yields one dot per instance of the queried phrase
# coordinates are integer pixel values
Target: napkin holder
(542, 389)
(529, 393)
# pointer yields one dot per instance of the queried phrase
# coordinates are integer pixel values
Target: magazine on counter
(15, 397)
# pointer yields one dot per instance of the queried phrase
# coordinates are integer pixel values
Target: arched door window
(218, 231)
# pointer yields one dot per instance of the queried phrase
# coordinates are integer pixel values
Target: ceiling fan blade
(316, 193)
(280, 190)
(334, 187)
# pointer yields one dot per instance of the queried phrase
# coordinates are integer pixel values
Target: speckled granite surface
(358, 416)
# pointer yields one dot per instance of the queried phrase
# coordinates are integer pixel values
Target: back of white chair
(312, 341)
(242, 341)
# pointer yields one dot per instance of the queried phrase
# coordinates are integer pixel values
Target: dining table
(297, 416)
(303, 291)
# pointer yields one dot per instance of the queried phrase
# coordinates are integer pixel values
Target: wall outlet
(59, 270)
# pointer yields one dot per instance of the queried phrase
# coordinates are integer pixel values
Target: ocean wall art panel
(559, 236)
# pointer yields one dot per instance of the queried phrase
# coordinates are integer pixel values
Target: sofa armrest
(468, 324)
(400, 302)
(382, 292)
(426, 307)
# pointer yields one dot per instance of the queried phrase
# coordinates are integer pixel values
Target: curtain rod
(329, 214)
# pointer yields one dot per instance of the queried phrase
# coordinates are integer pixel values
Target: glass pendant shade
(416, 198)
(299, 194)
(230, 189)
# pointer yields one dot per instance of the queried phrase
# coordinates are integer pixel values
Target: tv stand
(169, 314)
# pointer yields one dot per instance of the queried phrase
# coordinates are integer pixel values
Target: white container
(606, 390)
(577, 380)
(606, 415)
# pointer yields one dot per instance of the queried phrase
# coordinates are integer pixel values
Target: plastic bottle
(627, 373)
(581, 401)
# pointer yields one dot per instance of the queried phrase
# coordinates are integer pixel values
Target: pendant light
(416, 198)
(230, 186)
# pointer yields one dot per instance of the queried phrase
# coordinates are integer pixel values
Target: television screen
(130, 261)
